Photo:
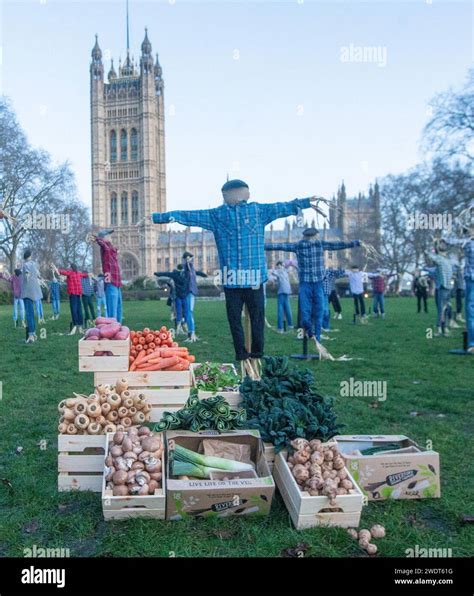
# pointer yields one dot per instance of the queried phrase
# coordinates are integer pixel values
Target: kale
(285, 404)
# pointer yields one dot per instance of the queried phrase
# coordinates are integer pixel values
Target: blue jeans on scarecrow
(379, 303)
(326, 313)
(113, 297)
(312, 307)
(469, 303)
(284, 311)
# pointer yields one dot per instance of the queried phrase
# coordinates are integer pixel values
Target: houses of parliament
(129, 177)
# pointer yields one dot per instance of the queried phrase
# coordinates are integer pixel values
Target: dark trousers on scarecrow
(236, 299)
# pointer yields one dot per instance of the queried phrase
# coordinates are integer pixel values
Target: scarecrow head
(311, 234)
(440, 246)
(187, 256)
(235, 192)
(27, 254)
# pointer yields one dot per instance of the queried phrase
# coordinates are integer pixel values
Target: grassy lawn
(421, 376)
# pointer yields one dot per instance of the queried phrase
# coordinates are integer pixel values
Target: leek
(181, 468)
(181, 454)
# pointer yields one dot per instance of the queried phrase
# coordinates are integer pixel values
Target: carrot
(191, 358)
(162, 365)
(138, 359)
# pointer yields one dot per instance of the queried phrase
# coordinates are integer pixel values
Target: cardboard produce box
(250, 495)
(410, 472)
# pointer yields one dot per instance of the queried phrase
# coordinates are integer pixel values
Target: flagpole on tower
(128, 34)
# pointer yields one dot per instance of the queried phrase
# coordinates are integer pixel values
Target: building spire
(128, 31)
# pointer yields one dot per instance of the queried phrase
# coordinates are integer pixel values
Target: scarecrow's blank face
(234, 196)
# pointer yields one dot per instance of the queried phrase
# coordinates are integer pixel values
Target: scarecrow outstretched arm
(284, 246)
(200, 218)
(271, 211)
(338, 245)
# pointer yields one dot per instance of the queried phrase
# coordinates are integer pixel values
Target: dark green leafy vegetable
(213, 413)
(285, 405)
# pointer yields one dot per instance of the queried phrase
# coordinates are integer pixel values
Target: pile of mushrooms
(133, 463)
(365, 536)
(107, 410)
(319, 469)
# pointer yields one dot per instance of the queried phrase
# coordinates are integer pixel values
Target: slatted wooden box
(233, 398)
(164, 390)
(307, 511)
(89, 362)
(149, 506)
(269, 455)
(80, 462)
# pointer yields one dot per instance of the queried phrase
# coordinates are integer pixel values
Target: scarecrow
(239, 230)
(310, 255)
(111, 269)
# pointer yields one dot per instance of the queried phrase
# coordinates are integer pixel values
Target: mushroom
(109, 460)
(120, 490)
(109, 472)
(153, 465)
(121, 464)
(144, 455)
(142, 477)
(116, 450)
(118, 438)
(144, 490)
(138, 465)
(131, 476)
(119, 477)
(143, 430)
(127, 443)
(151, 443)
(152, 486)
(156, 476)
(134, 489)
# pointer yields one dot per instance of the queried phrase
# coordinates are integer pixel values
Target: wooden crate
(233, 398)
(80, 462)
(269, 455)
(150, 506)
(119, 361)
(306, 511)
(164, 390)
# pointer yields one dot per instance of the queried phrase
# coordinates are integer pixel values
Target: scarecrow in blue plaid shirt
(239, 230)
(310, 254)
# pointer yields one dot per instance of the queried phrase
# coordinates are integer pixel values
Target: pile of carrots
(156, 350)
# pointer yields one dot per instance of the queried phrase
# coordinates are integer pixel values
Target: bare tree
(28, 181)
(450, 131)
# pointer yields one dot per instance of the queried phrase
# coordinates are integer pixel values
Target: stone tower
(128, 155)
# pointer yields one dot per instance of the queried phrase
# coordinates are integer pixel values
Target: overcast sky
(270, 92)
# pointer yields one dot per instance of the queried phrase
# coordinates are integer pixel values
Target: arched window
(129, 266)
(135, 209)
(134, 144)
(123, 145)
(113, 146)
(124, 207)
(113, 209)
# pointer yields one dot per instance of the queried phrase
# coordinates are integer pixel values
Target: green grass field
(421, 376)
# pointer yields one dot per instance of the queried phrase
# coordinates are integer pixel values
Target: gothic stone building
(128, 155)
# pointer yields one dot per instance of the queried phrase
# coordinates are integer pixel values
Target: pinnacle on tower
(146, 44)
(112, 74)
(96, 51)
